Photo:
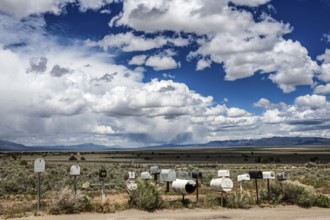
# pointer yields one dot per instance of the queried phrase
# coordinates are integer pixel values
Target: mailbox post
(155, 170)
(282, 177)
(268, 175)
(102, 176)
(39, 167)
(167, 176)
(256, 175)
(197, 175)
(75, 171)
(241, 178)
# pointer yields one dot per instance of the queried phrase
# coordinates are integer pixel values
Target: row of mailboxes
(263, 175)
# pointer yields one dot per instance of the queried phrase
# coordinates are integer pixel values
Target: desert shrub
(66, 202)
(72, 158)
(275, 194)
(147, 196)
(242, 200)
(322, 200)
(298, 193)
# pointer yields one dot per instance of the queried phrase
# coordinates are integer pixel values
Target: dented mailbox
(282, 176)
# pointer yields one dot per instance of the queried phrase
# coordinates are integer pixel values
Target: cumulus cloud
(253, 3)
(138, 60)
(266, 104)
(202, 64)
(244, 47)
(162, 63)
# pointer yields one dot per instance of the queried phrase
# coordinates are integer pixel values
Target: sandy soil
(280, 213)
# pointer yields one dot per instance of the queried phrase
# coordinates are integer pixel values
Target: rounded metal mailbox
(155, 170)
(75, 170)
(146, 175)
(39, 165)
(197, 175)
(223, 184)
(184, 186)
(255, 174)
(282, 176)
(223, 173)
(243, 177)
(103, 173)
(167, 175)
(268, 175)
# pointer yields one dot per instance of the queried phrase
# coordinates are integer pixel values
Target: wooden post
(102, 193)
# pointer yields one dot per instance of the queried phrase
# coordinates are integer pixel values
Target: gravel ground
(280, 213)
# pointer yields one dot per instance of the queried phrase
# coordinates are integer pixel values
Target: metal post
(103, 194)
(75, 185)
(257, 191)
(38, 193)
(268, 188)
(155, 177)
(221, 200)
(167, 187)
(197, 190)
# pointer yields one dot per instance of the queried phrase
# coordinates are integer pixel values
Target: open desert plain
(304, 195)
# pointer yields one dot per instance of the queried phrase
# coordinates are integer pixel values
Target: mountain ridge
(7, 146)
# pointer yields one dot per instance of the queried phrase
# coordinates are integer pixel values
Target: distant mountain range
(6, 146)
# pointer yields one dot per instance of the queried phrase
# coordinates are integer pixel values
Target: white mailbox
(167, 175)
(131, 175)
(75, 170)
(155, 170)
(223, 184)
(268, 175)
(223, 173)
(184, 186)
(146, 175)
(243, 177)
(39, 165)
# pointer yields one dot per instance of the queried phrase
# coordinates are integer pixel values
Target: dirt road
(280, 213)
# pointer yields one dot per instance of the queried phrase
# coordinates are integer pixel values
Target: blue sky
(135, 73)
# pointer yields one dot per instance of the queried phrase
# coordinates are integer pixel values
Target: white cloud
(326, 37)
(27, 7)
(311, 101)
(162, 63)
(93, 4)
(322, 89)
(251, 3)
(202, 64)
(138, 60)
(266, 104)
(244, 47)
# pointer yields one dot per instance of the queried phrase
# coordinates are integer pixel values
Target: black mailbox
(255, 174)
(103, 173)
(197, 175)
